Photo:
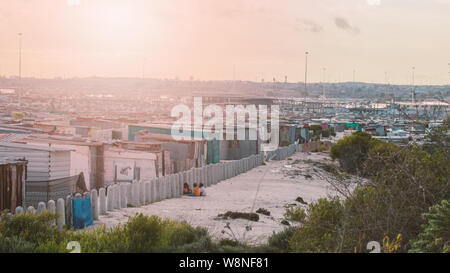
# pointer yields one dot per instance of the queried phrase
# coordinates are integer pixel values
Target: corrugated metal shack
(240, 148)
(287, 134)
(86, 156)
(302, 134)
(212, 154)
(12, 182)
(184, 154)
(43, 191)
(127, 161)
(44, 162)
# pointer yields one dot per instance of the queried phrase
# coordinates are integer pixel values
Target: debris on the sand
(301, 201)
(263, 211)
(239, 215)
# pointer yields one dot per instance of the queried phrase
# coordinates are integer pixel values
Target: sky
(373, 40)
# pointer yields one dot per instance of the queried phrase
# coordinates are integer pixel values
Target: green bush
(323, 148)
(328, 132)
(179, 234)
(317, 130)
(352, 151)
(15, 245)
(435, 237)
(320, 233)
(35, 229)
(279, 242)
(31, 233)
(144, 233)
(380, 157)
(296, 214)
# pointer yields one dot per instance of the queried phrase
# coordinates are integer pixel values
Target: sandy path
(276, 190)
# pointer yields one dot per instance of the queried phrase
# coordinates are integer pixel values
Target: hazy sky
(222, 39)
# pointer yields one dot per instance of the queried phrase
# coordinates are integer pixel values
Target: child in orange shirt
(196, 190)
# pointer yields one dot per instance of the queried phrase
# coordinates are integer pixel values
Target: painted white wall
(116, 156)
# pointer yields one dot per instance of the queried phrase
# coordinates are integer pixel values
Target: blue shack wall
(287, 134)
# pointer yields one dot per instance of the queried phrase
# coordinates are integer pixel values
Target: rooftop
(34, 147)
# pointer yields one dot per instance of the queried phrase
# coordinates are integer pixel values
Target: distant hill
(157, 87)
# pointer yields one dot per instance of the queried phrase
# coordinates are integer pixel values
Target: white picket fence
(59, 208)
(283, 152)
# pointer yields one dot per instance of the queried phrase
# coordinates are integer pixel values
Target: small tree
(436, 232)
(352, 151)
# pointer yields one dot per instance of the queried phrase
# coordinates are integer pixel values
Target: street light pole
(20, 66)
(449, 70)
(413, 95)
(324, 79)
(306, 73)
(144, 60)
(20, 55)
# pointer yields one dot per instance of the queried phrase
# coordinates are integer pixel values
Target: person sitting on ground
(196, 190)
(202, 190)
(186, 189)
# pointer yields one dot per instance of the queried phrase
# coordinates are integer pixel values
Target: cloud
(343, 24)
(308, 25)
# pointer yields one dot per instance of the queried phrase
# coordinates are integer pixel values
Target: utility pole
(306, 73)
(20, 55)
(414, 92)
(20, 66)
(412, 85)
(144, 60)
(324, 79)
(323, 90)
(387, 85)
(449, 70)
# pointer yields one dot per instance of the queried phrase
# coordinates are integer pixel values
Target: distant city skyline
(376, 41)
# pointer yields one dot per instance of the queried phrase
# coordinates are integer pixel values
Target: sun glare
(116, 17)
(73, 2)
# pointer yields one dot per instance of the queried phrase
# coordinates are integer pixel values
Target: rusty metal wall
(11, 185)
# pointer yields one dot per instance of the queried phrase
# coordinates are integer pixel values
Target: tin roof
(34, 147)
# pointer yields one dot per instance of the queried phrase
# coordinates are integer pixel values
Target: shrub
(15, 245)
(279, 242)
(180, 233)
(409, 182)
(229, 242)
(435, 237)
(323, 148)
(352, 151)
(317, 130)
(35, 229)
(380, 156)
(202, 245)
(320, 233)
(296, 214)
(144, 233)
